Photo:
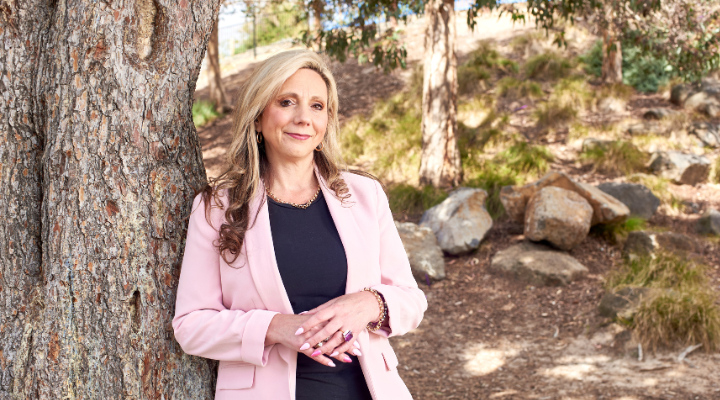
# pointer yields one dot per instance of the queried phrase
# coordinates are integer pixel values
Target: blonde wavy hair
(246, 162)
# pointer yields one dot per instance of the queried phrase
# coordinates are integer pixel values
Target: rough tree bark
(612, 59)
(440, 161)
(215, 85)
(99, 161)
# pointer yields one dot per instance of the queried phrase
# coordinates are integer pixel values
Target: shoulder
(214, 214)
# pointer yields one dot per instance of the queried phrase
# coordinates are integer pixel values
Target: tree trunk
(440, 161)
(318, 8)
(612, 60)
(215, 85)
(100, 163)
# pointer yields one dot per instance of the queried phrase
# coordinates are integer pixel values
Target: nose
(302, 116)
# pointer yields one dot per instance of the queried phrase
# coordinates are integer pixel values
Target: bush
(481, 64)
(616, 157)
(548, 66)
(569, 96)
(643, 72)
(682, 308)
(204, 112)
(407, 199)
(513, 88)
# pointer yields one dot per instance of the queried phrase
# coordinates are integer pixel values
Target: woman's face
(295, 121)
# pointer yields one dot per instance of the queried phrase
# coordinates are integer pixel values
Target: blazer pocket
(235, 375)
(391, 361)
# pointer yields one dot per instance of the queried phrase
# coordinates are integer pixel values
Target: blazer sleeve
(203, 325)
(405, 301)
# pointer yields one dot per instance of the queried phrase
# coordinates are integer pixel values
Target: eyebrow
(295, 95)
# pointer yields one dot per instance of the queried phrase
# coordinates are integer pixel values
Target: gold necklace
(303, 206)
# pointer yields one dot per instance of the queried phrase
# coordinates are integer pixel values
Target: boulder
(658, 113)
(709, 223)
(460, 222)
(606, 209)
(638, 198)
(623, 303)
(681, 168)
(704, 98)
(426, 257)
(538, 265)
(679, 93)
(559, 216)
(641, 244)
(709, 134)
(703, 102)
(647, 128)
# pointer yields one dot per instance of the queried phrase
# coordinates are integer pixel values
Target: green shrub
(513, 88)
(204, 112)
(526, 159)
(407, 199)
(481, 64)
(569, 96)
(617, 232)
(643, 72)
(548, 66)
(616, 157)
(681, 307)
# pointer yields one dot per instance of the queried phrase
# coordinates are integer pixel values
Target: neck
(292, 179)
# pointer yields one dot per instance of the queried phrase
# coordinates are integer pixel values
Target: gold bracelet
(374, 326)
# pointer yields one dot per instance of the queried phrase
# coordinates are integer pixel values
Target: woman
(294, 275)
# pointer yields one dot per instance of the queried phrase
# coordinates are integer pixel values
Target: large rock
(709, 134)
(704, 98)
(460, 222)
(642, 244)
(538, 265)
(426, 257)
(623, 303)
(606, 209)
(709, 223)
(658, 113)
(638, 198)
(681, 168)
(559, 216)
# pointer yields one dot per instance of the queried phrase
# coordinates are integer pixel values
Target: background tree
(100, 162)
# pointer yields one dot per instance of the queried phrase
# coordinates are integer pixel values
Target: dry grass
(681, 308)
(618, 157)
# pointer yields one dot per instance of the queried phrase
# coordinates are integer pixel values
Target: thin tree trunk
(612, 60)
(440, 161)
(105, 92)
(318, 8)
(215, 85)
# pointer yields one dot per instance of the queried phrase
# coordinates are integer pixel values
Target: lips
(298, 136)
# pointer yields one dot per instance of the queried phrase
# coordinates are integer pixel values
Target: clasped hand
(301, 332)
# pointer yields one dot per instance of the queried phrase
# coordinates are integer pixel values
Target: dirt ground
(487, 337)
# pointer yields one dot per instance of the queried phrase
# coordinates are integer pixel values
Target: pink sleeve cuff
(253, 340)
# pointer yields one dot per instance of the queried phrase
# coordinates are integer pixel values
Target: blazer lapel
(352, 238)
(261, 258)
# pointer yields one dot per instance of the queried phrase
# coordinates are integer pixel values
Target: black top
(312, 264)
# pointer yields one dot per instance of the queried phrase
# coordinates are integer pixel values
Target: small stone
(681, 168)
(426, 257)
(460, 222)
(703, 102)
(638, 198)
(538, 265)
(623, 303)
(709, 223)
(680, 93)
(559, 216)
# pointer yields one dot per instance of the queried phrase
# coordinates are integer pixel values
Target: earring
(258, 137)
(320, 146)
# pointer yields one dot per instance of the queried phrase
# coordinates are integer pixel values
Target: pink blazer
(223, 313)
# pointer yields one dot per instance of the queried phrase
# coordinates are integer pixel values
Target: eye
(285, 103)
(318, 106)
